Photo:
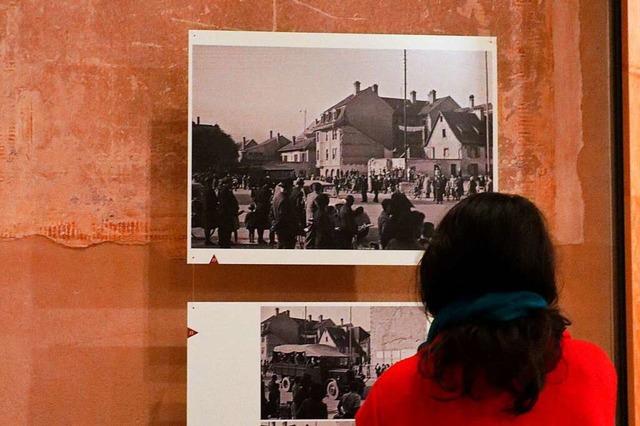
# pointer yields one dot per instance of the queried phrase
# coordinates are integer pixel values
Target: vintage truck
(324, 364)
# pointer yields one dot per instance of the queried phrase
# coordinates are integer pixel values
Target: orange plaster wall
(631, 88)
(93, 119)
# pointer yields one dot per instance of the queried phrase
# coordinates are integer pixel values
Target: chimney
(294, 140)
(310, 317)
(413, 96)
(278, 137)
(198, 120)
(321, 317)
(472, 101)
(356, 87)
(270, 134)
(277, 311)
(341, 321)
(432, 96)
(375, 89)
(244, 142)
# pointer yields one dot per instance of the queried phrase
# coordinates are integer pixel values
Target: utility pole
(404, 134)
(304, 111)
(486, 110)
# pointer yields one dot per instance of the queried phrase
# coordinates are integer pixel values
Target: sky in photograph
(249, 91)
(360, 315)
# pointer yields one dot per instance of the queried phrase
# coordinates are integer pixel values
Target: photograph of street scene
(319, 362)
(335, 148)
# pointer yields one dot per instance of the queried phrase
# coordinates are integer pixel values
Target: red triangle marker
(214, 260)
(191, 333)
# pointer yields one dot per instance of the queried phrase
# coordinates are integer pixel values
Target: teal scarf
(491, 307)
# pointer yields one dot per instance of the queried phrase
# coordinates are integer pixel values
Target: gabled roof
(466, 126)
(279, 140)
(413, 108)
(248, 144)
(301, 143)
(429, 107)
(340, 107)
(341, 337)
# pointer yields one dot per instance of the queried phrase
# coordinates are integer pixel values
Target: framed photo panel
(334, 148)
(268, 358)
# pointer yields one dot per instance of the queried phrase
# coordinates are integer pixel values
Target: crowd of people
(307, 399)
(288, 214)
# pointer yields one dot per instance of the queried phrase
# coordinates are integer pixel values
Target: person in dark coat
(310, 207)
(348, 228)
(473, 186)
(274, 397)
(439, 187)
(323, 230)
(375, 187)
(250, 222)
(285, 222)
(228, 211)
(262, 199)
(399, 211)
(408, 233)
(297, 199)
(459, 187)
(313, 407)
(364, 188)
(210, 211)
(383, 222)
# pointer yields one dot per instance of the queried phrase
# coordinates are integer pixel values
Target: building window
(326, 154)
(444, 133)
(284, 158)
(334, 152)
(303, 157)
(318, 154)
(441, 119)
(446, 151)
(295, 158)
(473, 152)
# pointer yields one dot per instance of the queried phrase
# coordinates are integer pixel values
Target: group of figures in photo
(392, 210)
(319, 367)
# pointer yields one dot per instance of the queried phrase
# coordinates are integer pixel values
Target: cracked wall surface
(93, 143)
(93, 133)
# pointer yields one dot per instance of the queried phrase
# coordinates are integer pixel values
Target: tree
(212, 148)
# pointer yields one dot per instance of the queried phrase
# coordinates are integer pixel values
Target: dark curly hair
(492, 242)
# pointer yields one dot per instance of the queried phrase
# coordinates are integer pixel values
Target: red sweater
(581, 391)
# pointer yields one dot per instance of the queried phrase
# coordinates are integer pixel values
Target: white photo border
(223, 358)
(328, 40)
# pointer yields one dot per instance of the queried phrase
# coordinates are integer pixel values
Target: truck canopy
(318, 350)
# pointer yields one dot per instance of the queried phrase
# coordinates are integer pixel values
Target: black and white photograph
(293, 363)
(319, 362)
(338, 148)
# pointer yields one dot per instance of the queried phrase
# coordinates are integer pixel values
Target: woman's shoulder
(396, 378)
(584, 351)
(587, 361)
